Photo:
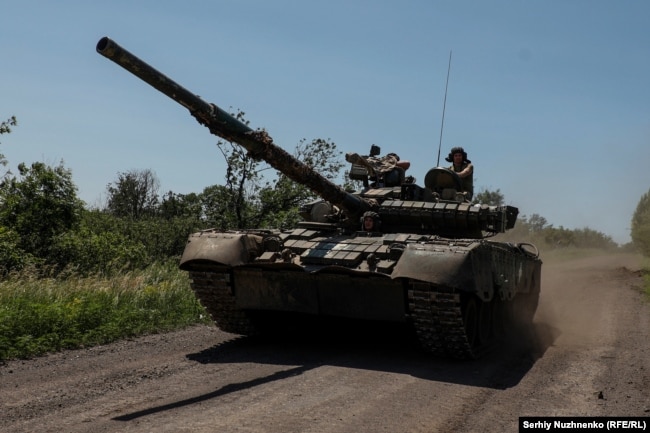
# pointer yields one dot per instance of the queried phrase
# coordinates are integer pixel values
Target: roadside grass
(38, 316)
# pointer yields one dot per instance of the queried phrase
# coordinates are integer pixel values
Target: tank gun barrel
(220, 123)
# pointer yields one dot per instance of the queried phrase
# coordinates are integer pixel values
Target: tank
(427, 263)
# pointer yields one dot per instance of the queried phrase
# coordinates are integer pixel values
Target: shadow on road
(386, 349)
(391, 349)
(234, 387)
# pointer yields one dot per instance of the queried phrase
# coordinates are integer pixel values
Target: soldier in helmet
(370, 222)
(463, 168)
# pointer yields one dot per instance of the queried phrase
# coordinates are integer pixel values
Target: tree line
(46, 227)
(537, 230)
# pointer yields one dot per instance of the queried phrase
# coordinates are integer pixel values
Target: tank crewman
(370, 222)
(388, 170)
(463, 168)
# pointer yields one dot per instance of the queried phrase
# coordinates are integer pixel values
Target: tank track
(213, 290)
(437, 315)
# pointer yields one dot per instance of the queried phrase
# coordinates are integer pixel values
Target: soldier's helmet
(454, 150)
(375, 219)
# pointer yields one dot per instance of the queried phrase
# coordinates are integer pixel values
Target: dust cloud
(577, 301)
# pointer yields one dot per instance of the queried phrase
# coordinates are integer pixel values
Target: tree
(100, 245)
(217, 207)
(175, 205)
(492, 198)
(559, 237)
(588, 238)
(537, 223)
(243, 182)
(640, 230)
(280, 201)
(39, 205)
(5, 128)
(134, 194)
(249, 199)
(12, 257)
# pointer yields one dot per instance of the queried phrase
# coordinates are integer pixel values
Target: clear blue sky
(551, 99)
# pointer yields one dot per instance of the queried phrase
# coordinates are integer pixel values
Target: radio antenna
(444, 105)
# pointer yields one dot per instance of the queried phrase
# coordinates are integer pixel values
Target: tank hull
(459, 296)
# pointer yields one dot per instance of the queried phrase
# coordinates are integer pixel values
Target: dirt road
(590, 355)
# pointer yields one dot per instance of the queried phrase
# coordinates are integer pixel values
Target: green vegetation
(5, 128)
(545, 236)
(640, 231)
(39, 315)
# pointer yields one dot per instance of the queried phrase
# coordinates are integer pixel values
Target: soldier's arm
(467, 171)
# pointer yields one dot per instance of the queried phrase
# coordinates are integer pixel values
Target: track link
(214, 291)
(437, 316)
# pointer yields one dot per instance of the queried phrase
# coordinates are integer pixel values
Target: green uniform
(466, 182)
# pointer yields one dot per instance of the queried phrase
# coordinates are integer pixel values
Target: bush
(88, 253)
(39, 205)
(12, 257)
(46, 315)
(640, 231)
(162, 238)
